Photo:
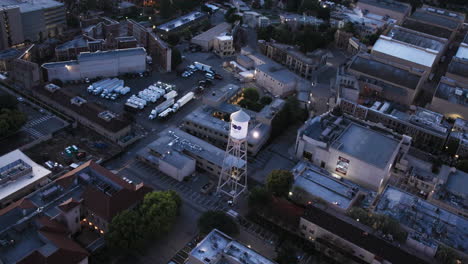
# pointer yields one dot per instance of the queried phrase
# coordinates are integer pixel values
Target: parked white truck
(182, 101)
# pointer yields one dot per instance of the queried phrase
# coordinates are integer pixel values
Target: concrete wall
(175, 172)
(448, 108)
(15, 28)
(311, 231)
(105, 66)
(277, 88)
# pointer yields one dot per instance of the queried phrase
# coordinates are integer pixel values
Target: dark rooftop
(416, 38)
(388, 4)
(427, 28)
(9, 54)
(433, 18)
(459, 67)
(359, 234)
(88, 110)
(385, 72)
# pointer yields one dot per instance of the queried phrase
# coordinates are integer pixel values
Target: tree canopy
(289, 115)
(130, 229)
(384, 223)
(279, 182)
(219, 220)
(11, 119)
(259, 197)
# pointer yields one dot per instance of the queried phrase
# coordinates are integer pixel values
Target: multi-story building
(458, 67)
(348, 241)
(206, 39)
(218, 247)
(302, 64)
(347, 149)
(411, 48)
(386, 8)
(295, 20)
(6, 58)
(211, 122)
(312, 183)
(19, 175)
(450, 98)
(157, 48)
(355, 46)
(177, 154)
(365, 23)
(190, 20)
(41, 227)
(116, 128)
(435, 21)
(36, 21)
(429, 225)
(11, 28)
(380, 78)
(98, 64)
(428, 130)
(25, 72)
(223, 46)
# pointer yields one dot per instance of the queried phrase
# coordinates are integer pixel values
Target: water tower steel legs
(233, 176)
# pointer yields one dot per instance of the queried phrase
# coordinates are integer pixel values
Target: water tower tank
(239, 125)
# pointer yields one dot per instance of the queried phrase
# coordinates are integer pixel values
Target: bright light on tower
(256, 134)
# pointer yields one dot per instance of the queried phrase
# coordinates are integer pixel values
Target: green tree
(173, 39)
(159, 211)
(349, 27)
(129, 230)
(265, 100)
(8, 101)
(259, 197)
(251, 94)
(286, 255)
(176, 58)
(219, 220)
(462, 165)
(126, 232)
(279, 182)
(446, 255)
(165, 9)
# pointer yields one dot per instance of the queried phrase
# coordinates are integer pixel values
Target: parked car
(209, 76)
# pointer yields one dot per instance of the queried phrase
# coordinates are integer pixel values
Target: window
(311, 231)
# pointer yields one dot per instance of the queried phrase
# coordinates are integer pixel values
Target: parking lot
(188, 190)
(183, 85)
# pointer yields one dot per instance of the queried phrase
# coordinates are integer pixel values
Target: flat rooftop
(217, 245)
(462, 51)
(278, 72)
(367, 145)
(404, 51)
(457, 182)
(175, 140)
(388, 4)
(213, 32)
(78, 42)
(38, 173)
(430, 29)
(30, 5)
(425, 219)
(386, 72)
(458, 67)
(450, 91)
(10, 54)
(319, 183)
(84, 56)
(417, 39)
(183, 20)
(437, 17)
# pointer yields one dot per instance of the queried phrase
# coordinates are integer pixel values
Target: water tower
(233, 176)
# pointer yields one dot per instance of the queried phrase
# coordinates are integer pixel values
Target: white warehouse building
(350, 150)
(98, 64)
